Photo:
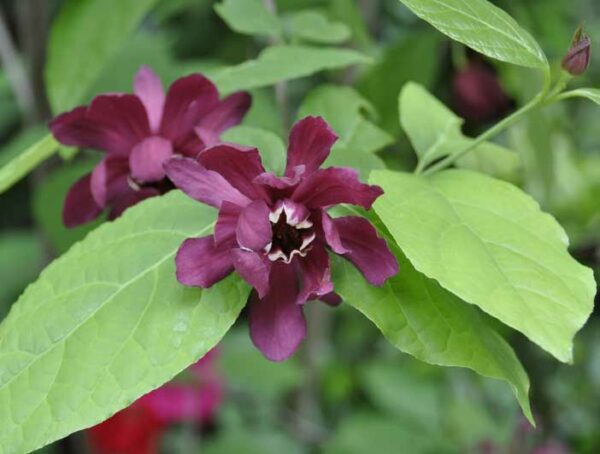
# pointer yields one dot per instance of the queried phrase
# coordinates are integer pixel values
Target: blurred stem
(15, 72)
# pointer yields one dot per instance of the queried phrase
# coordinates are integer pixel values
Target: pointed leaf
(249, 17)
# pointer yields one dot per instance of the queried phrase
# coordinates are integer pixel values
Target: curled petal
(367, 252)
(253, 229)
(188, 100)
(147, 158)
(331, 234)
(253, 268)
(80, 207)
(228, 113)
(315, 275)
(148, 87)
(277, 324)
(335, 185)
(202, 184)
(310, 142)
(200, 263)
(238, 165)
(226, 223)
(110, 179)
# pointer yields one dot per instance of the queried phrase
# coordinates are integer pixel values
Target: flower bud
(577, 59)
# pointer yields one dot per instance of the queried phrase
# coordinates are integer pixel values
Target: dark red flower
(139, 428)
(139, 132)
(275, 231)
(478, 95)
(578, 57)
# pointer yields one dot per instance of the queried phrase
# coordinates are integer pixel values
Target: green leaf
(272, 149)
(423, 319)
(483, 27)
(84, 36)
(489, 243)
(593, 94)
(108, 322)
(343, 156)
(314, 26)
(48, 199)
(249, 17)
(279, 63)
(21, 165)
(493, 160)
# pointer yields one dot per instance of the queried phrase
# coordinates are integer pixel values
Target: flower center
(290, 238)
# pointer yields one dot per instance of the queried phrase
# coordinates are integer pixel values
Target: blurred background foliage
(347, 391)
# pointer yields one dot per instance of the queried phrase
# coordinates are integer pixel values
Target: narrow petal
(227, 223)
(202, 264)
(237, 164)
(147, 158)
(253, 268)
(202, 184)
(331, 234)
(128, 199)
(253, 229)
(188, 100)
(277, 324)
(335, 185)
(148, 87)
(110, 179)
(367, 252)
(80, 207)
(316, 275)
(229, 112)
(310, 142)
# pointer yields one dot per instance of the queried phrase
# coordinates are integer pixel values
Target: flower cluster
(139, 132)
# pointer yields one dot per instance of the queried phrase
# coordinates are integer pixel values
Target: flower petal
(253, 229)
(226, 223)
(110, 179)
(333, 299)
(310, 142)
(200, 263)
(128, 199)
(253, 269)
(147, 158)
(237, 164)
(335, 185)
(80, 207)
(331, 234)
(202, 184)
(113, 123)
(277, 324)
(229, 112)
(148, 87)
(188, 100)
(368, 252)
(316, 275)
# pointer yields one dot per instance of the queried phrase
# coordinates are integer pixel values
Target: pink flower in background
(139, 132)
(275, 231)
(139, 428)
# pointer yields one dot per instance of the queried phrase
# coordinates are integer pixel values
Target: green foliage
(25, 162)
(249, 17)
(315, 27)
(279, 63)
(421, 318)
(272, 149)
(593, 94)
(108, 322)
(86, 28)
(483, 27)
(489, 243)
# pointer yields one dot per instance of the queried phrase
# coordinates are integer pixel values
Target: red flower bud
(577, 59)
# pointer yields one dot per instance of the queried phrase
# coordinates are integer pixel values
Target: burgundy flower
(139, 428)
(478, 95)
(275, 231)
(139, 132)
(577, 59)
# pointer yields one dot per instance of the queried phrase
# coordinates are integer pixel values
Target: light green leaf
(593, 94)
(21, 165)
(84, 36)
(422, 319)
(343, 156)
(489, 244)
(108, 322)
(279, 63)
(491, 159)
(272, 149)
(483, 27)
(314, 26)
(249, 17)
